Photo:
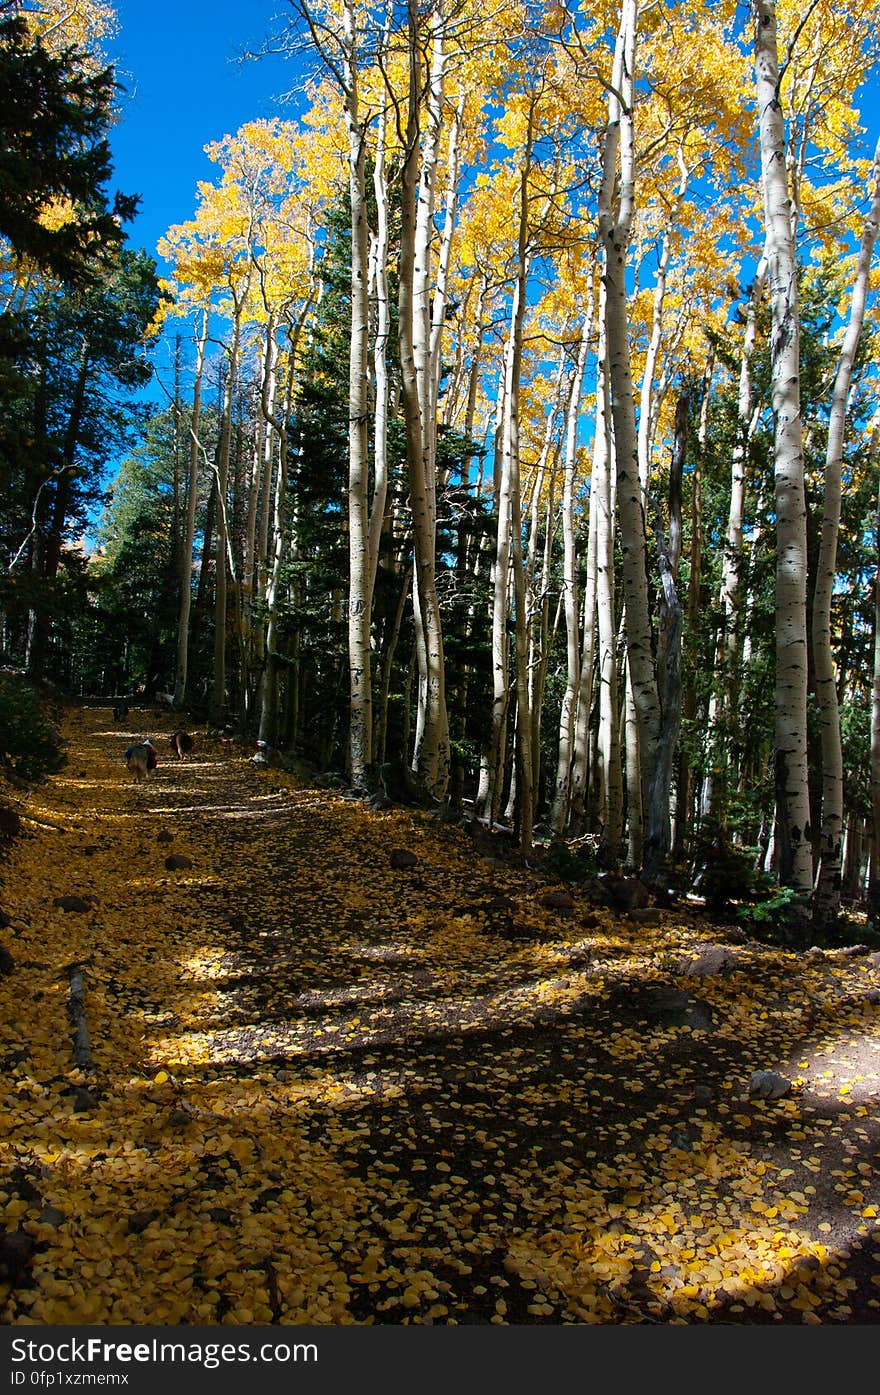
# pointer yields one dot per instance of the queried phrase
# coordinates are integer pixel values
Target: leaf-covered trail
(328, 1090)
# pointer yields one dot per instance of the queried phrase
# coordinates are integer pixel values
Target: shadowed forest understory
(347, 1066)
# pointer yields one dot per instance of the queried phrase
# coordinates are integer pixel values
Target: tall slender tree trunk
(54, 544)
(608, 736)
(360, 563)
(874, 877)
(659, 841)
(218, 689)
(793, 833)
(826, 901)
(724, 702)
(685, 813)
(559, 812)
(432, 754)
(182, 665)
(615, 222)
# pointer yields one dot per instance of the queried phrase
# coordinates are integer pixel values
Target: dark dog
(141, 758)
(181, 743)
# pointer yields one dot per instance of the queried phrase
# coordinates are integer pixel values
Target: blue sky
(185, 88)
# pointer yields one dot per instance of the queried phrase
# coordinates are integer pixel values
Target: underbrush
(31, 746)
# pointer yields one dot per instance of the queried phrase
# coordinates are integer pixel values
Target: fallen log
(76, 1008)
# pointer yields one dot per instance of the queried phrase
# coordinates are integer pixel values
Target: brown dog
(181, 743)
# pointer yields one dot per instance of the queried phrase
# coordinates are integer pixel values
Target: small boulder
(669, 1007)
(75, 903)
(557, 901)
(768, 1085)
(400, 858)
(177, 862)
(625, 893)
(706, 961)
(644, 915)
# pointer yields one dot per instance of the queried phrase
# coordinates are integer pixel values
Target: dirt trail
(328, 1090)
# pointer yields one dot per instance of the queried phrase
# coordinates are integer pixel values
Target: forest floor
(329, 1090)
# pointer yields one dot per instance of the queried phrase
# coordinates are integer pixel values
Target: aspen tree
(826, 901)
(731, 570)
(608, 745)
(538, 577)
(658, 841)
(360, 563)
(616, 206)
(189, 532)
(790, 740)
(873, 895)
(417, 192)
(559, 812)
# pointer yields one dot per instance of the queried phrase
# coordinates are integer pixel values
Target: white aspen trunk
(826, 900)
(608, 744)
(562, 793)
(580, 776)
(380, 350)
(266, 388)
(360, 563)
(440, 300)
(685, 813)
(580, 753)
(538, 582)
(614, 229)
(425, 389)
(648, 406)
(731, 599)
(659, 841)
(432, 753)
(182, 665)
(252, 636)
(635, 836)
(491, 778)
(510, 472)
(504, 582)
(218, 690)
(793, 834)
(874, 879)
(269, 687)
(541, 633)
